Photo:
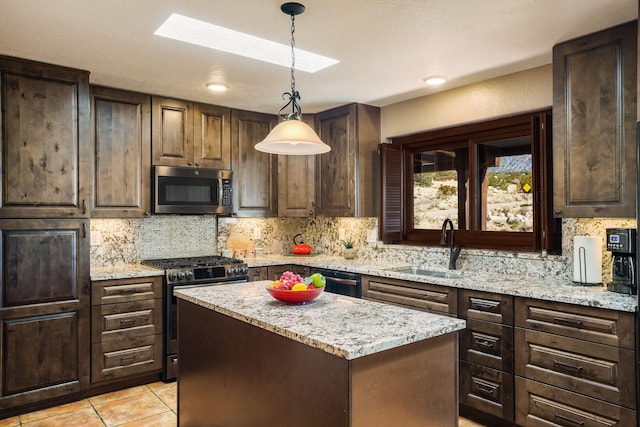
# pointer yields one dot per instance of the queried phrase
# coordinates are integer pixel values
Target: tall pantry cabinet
(46, 177)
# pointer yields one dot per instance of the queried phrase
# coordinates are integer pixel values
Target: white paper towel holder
(580, 256)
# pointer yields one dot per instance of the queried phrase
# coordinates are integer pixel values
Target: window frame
(397, 225)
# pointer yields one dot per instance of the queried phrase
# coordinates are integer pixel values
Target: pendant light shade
(292, 136)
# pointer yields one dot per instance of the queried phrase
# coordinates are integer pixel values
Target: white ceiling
(386, 47)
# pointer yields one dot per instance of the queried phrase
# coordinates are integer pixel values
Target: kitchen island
(249, 360)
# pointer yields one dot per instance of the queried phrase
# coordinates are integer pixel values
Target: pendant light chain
(293, 54)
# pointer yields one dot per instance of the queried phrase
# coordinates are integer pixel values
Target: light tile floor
(148, 405)
(153, 404)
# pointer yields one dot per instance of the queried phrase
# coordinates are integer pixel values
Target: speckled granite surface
(550, 289)
(343, 326)
(124, 272)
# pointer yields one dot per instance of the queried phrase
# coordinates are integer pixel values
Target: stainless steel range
(190, 272)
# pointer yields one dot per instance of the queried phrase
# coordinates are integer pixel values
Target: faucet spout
(454, 252)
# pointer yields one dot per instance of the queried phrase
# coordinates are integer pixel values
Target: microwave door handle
(220, 187)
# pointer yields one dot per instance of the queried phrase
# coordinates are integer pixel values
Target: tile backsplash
(126, 241)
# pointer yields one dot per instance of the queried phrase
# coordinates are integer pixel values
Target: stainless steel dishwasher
(342, 282)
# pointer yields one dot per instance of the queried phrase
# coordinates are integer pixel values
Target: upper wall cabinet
(594, 116)
(347, 176)
(45, 140)
(190, 134)
(121, 130)
(255, 174)
(296, 182)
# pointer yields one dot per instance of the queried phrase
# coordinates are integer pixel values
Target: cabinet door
(335, 170)
(255, 182)
(44, 312)
(594, 116)
(211, 136)
(172, 132)
(122, 142)
(296, 182)
(258, 273)
(347, 181)
(46, 151)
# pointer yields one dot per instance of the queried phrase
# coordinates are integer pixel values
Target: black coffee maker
(622, 244)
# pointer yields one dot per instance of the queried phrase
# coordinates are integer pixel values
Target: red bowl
(295, 297)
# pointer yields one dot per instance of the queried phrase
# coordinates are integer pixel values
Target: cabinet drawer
(112, 322)
(440, 299)
(485, 306)
(596, 370)
(487, 344)
(541, 405)
(125, 290)
(487, 390)
(126, 357)
(587, 323)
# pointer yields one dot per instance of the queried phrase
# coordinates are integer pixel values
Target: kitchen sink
(430, 273)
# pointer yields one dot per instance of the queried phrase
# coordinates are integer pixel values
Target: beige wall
(524, 91)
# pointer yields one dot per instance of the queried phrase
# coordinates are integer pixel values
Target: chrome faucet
(453, 251)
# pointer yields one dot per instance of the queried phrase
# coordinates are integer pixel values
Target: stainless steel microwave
(192, 191)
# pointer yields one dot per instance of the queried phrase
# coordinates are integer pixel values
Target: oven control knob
(172, 276)
(181, 275)
(189, 275)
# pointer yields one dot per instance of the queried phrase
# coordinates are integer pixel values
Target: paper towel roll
(587, 260)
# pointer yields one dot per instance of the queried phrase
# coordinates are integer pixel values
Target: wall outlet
(96, 238)
(372, 235)
(257, 233)
(341, 233)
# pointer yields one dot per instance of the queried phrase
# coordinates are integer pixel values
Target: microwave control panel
(226, 192)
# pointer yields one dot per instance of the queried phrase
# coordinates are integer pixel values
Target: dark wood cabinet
(487, 354)
(423, 296)
(346, 181)
(594, 124)
(190, 134)
(574, 365)
(255, 174)
(121, 130)
(296, 182)
(126, 336)
(258, 273)
(44, 312)
(45, 140)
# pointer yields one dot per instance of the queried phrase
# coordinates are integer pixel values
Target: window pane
(505, 183)
(440, 188)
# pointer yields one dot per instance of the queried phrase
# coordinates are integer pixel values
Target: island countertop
(342, 326)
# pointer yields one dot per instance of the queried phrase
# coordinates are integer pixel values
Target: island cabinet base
(236, 374)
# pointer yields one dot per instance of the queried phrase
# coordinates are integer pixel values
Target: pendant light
(292, 136)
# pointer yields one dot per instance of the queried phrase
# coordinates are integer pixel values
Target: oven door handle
(347, 282)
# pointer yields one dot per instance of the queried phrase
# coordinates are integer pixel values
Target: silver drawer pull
(568, 366)
(127, 359)
(571, 420)
(126, 321)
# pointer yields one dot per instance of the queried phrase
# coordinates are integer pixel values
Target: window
(492, 179)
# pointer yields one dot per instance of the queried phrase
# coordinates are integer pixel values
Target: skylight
(202, 33)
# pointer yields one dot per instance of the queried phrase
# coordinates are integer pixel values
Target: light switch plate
(96, 238)
(341, 233)
(372, 235)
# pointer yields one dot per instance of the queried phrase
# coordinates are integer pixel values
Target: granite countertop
(549, 289)
(343, 326)
(125, 271)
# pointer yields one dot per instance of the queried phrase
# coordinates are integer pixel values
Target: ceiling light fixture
(434, 80)
(217, 87)
(292, 136)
